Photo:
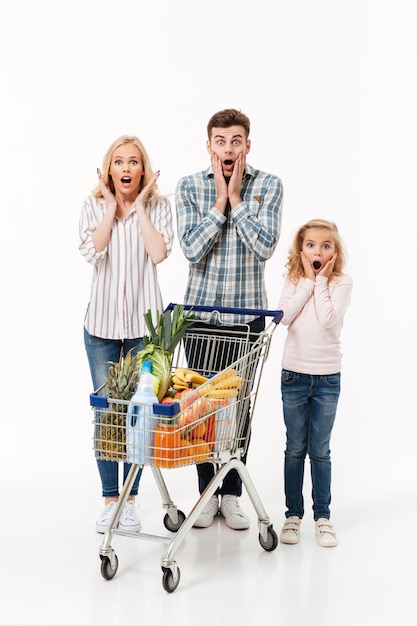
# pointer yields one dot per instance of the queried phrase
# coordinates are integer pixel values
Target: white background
(330, 89)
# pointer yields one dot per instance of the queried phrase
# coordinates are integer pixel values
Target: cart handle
(277, 315)
(166, 410)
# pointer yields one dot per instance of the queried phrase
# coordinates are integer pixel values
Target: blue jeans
(99, 353)
(309, 406)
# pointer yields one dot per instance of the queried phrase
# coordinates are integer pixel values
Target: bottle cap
(146, 367)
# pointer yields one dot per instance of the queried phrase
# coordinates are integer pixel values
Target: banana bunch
(225, 385)
(184, 378)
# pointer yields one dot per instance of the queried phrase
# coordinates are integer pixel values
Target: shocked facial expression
(319, 247)
(126, 169)
(227, 144)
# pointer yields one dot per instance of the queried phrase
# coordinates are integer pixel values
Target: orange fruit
(199, 431)
(201, 450)
(185, 451)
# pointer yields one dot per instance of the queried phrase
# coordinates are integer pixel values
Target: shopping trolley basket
(209, 420)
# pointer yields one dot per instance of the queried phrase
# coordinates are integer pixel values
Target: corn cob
(222, 393)
(230, 382)
(226, 374)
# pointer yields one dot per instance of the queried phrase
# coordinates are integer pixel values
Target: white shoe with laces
(234, 516)
(103, 521)
(326, 535)
(207, 515)
(129, 519)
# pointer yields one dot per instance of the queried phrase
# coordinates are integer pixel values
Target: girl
(125, 231)
(314, 299)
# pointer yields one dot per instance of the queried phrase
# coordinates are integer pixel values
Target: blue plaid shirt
(227, 253)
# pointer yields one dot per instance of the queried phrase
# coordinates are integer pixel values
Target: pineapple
(120, 384)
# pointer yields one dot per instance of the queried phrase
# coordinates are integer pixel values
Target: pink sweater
(313, 312)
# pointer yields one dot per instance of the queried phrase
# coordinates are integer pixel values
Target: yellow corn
(226, 374)
(229, 382)
(222, 393)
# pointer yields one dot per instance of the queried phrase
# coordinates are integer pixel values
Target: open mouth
(228, 164)
(316, 265)
(126, 179)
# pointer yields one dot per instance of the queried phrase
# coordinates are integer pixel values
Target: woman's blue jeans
(309, 407)
(99, 353)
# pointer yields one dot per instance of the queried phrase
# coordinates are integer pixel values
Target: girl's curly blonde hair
(107, 160)
(294, 265)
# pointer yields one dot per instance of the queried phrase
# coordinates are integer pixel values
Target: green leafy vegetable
(161, 367)
(170, 327)
(160, 345)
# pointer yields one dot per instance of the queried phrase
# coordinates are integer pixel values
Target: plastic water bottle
(141, 420)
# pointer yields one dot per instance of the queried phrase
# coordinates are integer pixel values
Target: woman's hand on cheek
(109, 198)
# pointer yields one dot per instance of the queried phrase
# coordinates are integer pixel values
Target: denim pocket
(332, 380)
(288, 377)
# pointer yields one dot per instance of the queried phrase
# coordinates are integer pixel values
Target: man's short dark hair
(227, 118)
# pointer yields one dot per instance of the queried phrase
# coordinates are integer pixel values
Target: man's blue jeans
(228, 352)
(99, 353)
(309, 406)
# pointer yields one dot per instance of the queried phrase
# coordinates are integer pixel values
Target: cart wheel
(170, 525)
(107, 571)
(168, 582)
(272, 541)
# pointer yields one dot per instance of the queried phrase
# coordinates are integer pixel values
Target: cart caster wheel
(172, 526)
(272, 541)
(168, 582)
(107, 571)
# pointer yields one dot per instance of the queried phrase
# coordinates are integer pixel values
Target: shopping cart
(209, 422)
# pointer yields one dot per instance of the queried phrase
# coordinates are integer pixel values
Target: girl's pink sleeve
(294, 297)
(332, 300)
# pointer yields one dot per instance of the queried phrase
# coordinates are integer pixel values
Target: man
(228, 221)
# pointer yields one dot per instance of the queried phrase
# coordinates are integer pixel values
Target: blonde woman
(125, 232)
(314, 299)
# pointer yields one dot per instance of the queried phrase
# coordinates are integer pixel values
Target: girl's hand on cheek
(327, 270)
(308, 270)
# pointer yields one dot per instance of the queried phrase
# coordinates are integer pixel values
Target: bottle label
(223, 424)
(140, 433)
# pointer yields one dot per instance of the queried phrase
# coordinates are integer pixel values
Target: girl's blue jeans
(309, 407)
(99, 353)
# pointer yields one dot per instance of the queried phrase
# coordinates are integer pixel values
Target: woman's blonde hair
(107, 160)
(294, 264)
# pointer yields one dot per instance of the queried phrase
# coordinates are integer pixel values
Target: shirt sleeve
(293, 298)
(161, 218)
(260, 232)
(197, 232)
(89, 221)
(332, 300)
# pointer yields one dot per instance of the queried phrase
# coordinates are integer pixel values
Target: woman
(125, 231)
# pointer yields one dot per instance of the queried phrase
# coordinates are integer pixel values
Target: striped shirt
(124, 283)
(227, 253)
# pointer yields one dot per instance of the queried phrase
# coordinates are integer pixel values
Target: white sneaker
(290, 532)
(129, 519)
(233, 514)
(207, 515)
(103, 521)
(326, 535)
